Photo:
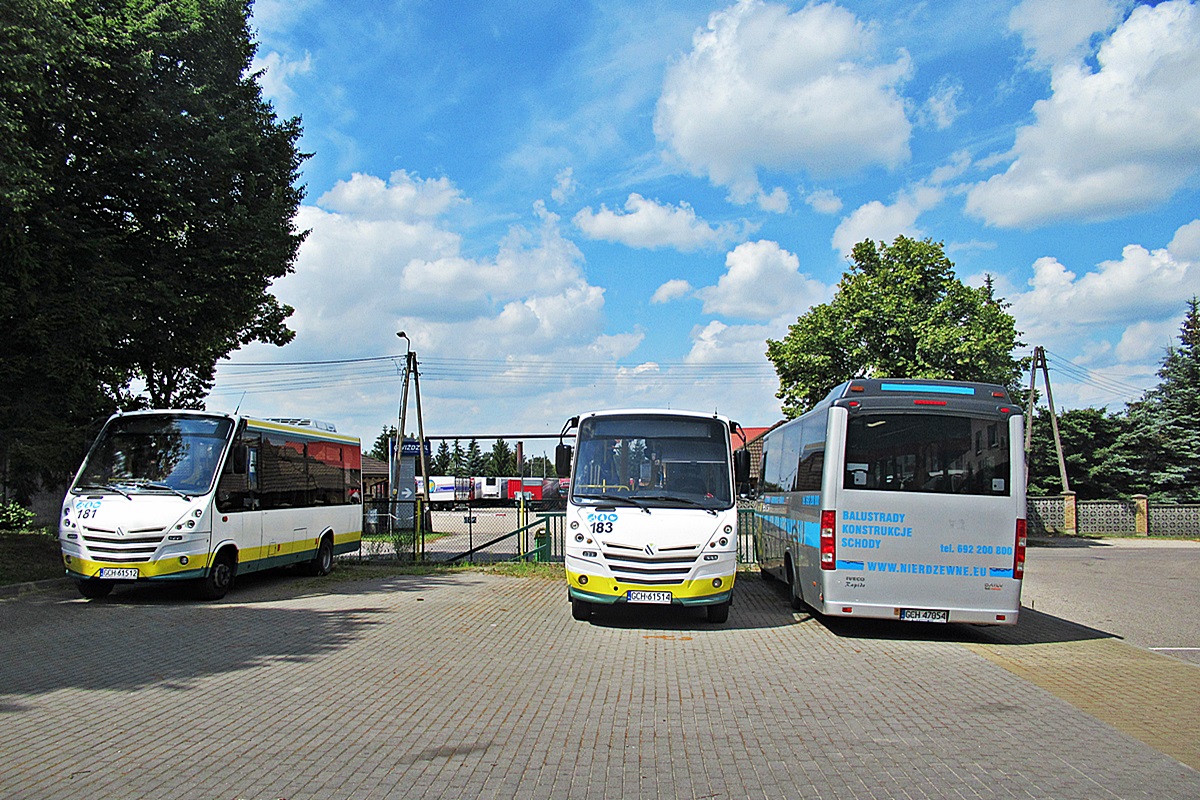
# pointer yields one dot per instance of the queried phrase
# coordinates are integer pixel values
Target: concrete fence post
(1070, 524)
(1141, 514)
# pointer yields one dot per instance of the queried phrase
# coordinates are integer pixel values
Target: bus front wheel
(219, 580)
(581, 609)
(794, 586)
(94, 589)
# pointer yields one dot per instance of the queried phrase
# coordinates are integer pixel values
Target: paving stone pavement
(482, 686)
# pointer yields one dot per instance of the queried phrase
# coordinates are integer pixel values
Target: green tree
(1158, 453)
(458, 461)
(147, 194)
(475, 464)
(380, 450)
(900, 312)
(1088, 435)
(502, 460)
(443, 460)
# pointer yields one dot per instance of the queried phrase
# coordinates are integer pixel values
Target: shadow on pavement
(1033, 627)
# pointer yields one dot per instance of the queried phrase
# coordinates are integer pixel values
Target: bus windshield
(653, 460)
(930, 453)
(156, 453)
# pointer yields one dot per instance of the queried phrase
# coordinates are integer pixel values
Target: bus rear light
(847, 609)
(1019, 551)
(929, 402)
(828, 542)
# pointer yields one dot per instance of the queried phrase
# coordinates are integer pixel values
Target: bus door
(239, 516)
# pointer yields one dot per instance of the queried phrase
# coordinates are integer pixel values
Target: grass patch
(368, 570)
(29, 556)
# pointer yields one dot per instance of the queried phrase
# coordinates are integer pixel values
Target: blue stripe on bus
(936, 388)
(849, 564)
(999, 573)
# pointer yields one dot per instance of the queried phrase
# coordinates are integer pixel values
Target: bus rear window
(930, 453)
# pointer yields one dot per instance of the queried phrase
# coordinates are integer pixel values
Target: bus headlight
(717, 583)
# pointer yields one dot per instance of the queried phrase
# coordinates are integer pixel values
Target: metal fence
(410, 531)
(1111, 517)
(475, 533)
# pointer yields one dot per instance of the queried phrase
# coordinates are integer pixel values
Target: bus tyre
(322, 563)
(581, 609)
(794, 589)
(718, 612)
(94, 589)
(219, 580)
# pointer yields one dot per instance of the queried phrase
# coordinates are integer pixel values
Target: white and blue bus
(898, 499)
(652, 513)
(196, 496)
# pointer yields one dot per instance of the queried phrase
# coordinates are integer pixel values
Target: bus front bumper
(701, 592)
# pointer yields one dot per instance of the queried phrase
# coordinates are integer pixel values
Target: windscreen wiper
(108, 487)
(687, 501)
(614, 499)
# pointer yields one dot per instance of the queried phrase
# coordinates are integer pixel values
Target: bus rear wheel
(581, 609)
(322, 563)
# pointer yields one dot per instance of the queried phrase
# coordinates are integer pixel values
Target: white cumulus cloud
(1055, 31)
(881, 222)
(761, 281)
(1140, 296)
(764, 87)
(650, 224)
(1111, 141)
(671, 290)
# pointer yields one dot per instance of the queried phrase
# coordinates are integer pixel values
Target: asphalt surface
(477, 685)
(1146, 592)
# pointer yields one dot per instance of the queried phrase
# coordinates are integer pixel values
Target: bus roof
(890, 392)
(672, 412)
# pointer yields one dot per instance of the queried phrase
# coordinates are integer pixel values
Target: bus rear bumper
(968, 616)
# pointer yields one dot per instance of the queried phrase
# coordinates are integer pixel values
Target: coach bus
(652, 512)
(204, 497)
(898, 499)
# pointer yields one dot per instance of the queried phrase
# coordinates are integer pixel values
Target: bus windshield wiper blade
(613, 498)
(672, 498)
(156, 485)
(108, 487)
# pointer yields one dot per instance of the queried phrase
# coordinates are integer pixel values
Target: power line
(280, 376)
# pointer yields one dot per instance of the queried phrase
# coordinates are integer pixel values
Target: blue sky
(570, 206)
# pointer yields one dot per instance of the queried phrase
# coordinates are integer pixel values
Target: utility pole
(413, 375)
(1039, 361)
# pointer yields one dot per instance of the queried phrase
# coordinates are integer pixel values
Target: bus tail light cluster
(1019, 551)
(828, 542)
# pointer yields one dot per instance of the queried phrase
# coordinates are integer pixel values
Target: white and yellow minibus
(651, 514)
(203, 497)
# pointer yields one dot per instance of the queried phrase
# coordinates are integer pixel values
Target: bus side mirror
(741, 466)
(562, 460)
(239, 457)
